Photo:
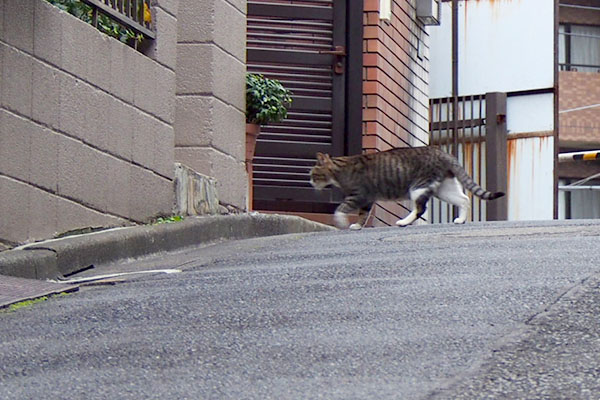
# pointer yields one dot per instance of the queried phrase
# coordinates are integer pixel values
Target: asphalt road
(498, 310)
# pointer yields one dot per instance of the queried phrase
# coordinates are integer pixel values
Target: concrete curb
(53, 258)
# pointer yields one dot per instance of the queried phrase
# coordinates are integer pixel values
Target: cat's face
(321, 175)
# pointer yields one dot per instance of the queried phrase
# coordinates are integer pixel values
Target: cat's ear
(321, 158)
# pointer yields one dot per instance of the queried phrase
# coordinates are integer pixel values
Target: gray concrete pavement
(53, 258)
(496, 310)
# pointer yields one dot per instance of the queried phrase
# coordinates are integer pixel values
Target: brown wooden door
(304, 45)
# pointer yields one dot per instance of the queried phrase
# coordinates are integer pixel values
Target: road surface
(488, 310)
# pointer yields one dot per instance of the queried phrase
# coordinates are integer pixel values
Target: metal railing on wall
(132, 14)
(473, 129)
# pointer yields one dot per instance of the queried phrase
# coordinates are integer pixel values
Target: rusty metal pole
(454, 87)
(455, 77)
(496, 154)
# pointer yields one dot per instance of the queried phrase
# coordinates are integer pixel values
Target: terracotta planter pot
(252, 132)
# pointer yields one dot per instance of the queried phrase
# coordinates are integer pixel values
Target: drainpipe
(455, 77)
(455, 86)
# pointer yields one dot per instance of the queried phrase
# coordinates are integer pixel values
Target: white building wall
(507, 46)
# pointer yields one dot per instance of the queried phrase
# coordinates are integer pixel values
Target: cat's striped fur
(407, 173)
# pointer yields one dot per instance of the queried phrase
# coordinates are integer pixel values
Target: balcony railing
(132, 14)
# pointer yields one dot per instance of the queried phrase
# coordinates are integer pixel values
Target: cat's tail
(471, 186)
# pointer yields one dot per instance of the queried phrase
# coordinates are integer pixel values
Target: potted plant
(267, 101)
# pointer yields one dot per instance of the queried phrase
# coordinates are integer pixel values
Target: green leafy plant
(105, 24)
(168, 220)
(266, 100)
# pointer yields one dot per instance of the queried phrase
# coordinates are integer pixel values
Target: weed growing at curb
(29, 303)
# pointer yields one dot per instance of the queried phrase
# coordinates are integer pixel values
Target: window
(579, 48)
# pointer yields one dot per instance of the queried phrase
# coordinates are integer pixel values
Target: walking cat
(415, 173)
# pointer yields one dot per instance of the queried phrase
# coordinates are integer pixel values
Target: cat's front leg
(340, 217)
(363, 215)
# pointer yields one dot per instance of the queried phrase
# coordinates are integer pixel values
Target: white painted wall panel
(530, 113)
(503, 46)
(530, 178)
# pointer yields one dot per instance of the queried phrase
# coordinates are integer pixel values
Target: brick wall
(395, 89)
(579, 128)
(86, 123)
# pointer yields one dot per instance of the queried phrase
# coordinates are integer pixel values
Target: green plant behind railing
(266, 99)
(105, 24)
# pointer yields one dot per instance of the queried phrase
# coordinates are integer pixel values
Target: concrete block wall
(210, 100)
(395, 87)
(86, 123)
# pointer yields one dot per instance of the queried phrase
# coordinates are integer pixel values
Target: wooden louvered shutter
(292, 41)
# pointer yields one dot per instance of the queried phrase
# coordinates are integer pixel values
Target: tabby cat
(415, 173)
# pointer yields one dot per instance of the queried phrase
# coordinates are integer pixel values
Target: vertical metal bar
(95, 17)
(496, 159)
(455, 84)
(472, 150)
(480, 144)
(354, 71)
(556, 119)
(439, 121)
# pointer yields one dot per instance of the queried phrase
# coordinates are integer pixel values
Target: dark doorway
(314, 47)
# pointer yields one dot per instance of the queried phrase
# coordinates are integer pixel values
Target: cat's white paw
(340, 219)
(459, 220)
(356, 227)
(402, 222)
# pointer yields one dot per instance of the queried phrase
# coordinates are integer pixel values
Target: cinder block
(2, 47)
(122, 71)
(43, 162)
(171, 6)
(45, 107)
(47, 32)
(195, 70)
(117, 191)
(163, 100)
(164, 153)
(145, 83)
(76, 36)
(16, 81)
(238, 4)
(164, 48)
(121, 125)
(82, 173)
(72, 215)
(230, 174)
(232, 180)
(96, 127)
(74, 102)
(193, 117)
(18, 24)
(2, 21)
(42, 215)
(230, 29)
(98, 69)
(150, 195)
(144, 141)
(197, 158)
(14, 199)
(195, 21)
(229, 130)
(15, 142)
(229, 79)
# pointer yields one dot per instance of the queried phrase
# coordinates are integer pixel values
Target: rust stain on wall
(511, 155)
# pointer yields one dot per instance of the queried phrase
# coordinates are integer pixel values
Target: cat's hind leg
(420, 197)
(363, 215)
(451, 191)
